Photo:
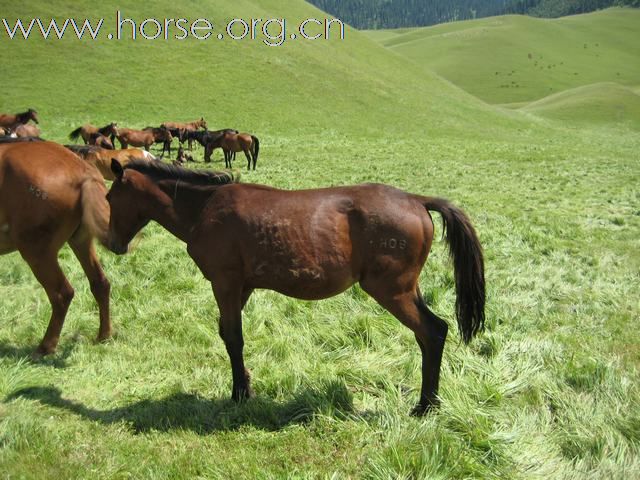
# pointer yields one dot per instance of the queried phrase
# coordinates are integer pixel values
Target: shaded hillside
(374, 14)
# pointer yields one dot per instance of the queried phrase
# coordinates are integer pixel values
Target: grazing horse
(101, 157)
(237, 142)
(307, 244)
(48, 196)
(181, 129)
(25, 130)
(144, 138)
(91, 135)
(12, 121)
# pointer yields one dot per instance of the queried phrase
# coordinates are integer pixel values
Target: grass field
(550, 389)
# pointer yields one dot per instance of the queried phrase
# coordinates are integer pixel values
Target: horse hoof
(41, 352)
(240, 396)
(422, 409)
(103, 338)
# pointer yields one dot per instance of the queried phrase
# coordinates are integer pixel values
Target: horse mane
(159, 171)
(104, 129)
(84, 149)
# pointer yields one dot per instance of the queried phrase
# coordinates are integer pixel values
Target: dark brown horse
(48, 196)
(307, 244)
(144, 138)
(236, 142)
(12, 121)
(92, 135)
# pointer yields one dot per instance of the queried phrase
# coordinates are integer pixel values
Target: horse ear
(117, 169)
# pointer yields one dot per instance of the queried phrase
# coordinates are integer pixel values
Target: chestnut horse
(101, 157)
(92, 135)
(308, 244)
(48, 196)
(144, 138)
(25, 130)
(235, 142)
(12, 121)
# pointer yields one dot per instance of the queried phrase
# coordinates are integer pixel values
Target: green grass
(550, 389)
(516, 58)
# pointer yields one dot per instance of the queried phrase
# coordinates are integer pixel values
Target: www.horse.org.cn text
(272, 32)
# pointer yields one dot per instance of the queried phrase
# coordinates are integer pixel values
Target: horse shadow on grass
(57, 360)
(186, 411)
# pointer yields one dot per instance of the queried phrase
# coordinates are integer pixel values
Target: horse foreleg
(207, 153)
(430, 332)
(46, 269)
(230, 302)
(82, 245)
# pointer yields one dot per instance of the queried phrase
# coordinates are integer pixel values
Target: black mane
(158, 171)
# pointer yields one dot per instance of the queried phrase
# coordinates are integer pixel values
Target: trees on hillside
(411, 13)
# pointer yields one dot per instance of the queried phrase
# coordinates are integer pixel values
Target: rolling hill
(517, 59)
(597, 104)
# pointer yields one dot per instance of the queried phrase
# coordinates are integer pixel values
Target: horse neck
(182, 205)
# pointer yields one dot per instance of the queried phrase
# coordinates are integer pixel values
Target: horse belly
(6, 243)
(307, 263)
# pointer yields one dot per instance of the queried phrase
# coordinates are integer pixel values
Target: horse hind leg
(248, 155)
(47, 271)
(430, 332)
(82, 245)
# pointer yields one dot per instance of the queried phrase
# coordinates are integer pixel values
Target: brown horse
(308, 244)
(143, 138)
(12, 121)
(101, 157)
(26, 131)
(235, 142)
(48, 196)
(180, 129)
(92, 135)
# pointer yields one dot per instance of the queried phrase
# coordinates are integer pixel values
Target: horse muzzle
(118, 248)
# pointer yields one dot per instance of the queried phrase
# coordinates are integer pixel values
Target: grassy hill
(300, 86)
(521, 59)
(598, 104)
(550, 389)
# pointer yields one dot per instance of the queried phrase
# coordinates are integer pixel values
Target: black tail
(75, 134)
(468, 265)
(256, 144)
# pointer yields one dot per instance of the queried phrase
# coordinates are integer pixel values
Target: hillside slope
(596, 104)
(521, 59)
(305, 86)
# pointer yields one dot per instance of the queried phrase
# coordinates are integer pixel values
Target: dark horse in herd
(307, 244)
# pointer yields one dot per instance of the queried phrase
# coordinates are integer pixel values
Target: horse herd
(229, 140)
(308, 244)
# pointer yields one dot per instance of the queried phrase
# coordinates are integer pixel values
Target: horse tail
(95, 208)
(75, 134)
(256, 144)
(468, 265)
